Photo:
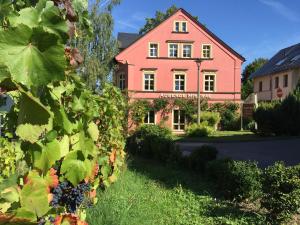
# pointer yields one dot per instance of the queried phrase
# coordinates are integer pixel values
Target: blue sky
(254, 28)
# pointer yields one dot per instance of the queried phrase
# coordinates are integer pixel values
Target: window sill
(180, 32)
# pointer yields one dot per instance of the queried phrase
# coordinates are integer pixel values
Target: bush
(279, 118)
(236, 180)
(211, 118)
(202, 130)
(151, 141)
(199, 158)
(281, 192)
(230, 118)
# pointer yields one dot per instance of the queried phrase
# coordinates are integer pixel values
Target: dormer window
(180, 26)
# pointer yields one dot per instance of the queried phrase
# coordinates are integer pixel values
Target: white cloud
(283, 10)
(127, 24)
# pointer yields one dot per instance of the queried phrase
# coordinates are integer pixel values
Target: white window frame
(179, 124)
(180, 26)
(121, 81)
(215, 82)
(182, 48)
(202, 51)
(169, 50)
(148, 117)
(174, 81)
(148, 80)
(157, 50)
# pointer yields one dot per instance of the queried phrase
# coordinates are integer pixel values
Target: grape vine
(62, 139)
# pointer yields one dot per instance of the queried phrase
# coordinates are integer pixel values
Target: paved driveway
(264, 152)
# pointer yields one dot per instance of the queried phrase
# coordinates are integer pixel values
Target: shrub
(199, 158)
(151, 141)
(281, 192)
(138, 110)
(236, 180)
(230, 118)
(211, 118)
(202, 130)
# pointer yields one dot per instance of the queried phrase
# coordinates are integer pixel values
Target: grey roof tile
(126, 39)
(285, 59)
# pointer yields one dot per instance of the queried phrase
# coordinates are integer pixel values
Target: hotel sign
(182, 95)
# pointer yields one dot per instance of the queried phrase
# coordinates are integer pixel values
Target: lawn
(231, 136)
(149, 193)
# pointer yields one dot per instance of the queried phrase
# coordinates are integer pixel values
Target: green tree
(99, 48)
(159, 17)
(253, 66)
(247, 84)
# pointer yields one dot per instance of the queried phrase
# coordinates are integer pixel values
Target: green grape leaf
(32, 125)
(4, 72)
(93, 131)
(46, 158)
(45, 14)
(33, 56)
(25, 214)
(61, 120)
(34, 196)
(64, 146)
(73, 168)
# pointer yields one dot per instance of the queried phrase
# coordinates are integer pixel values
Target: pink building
(162, 64)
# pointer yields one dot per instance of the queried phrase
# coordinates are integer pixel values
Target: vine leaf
(45, 14)
(33, 56)
(46, 157)
(32, 125)
(34, 196)
(93, 131)
(74, 167)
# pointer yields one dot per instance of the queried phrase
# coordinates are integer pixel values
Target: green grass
(231, 136)
(149, 193)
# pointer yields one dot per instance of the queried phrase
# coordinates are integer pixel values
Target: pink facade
(176, 77)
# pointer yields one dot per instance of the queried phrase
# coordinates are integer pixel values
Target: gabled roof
(285, 59)
(203, 27)
(126, 39)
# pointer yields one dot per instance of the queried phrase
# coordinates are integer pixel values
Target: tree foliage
(99, 48)
(253, 67)
(159, 17)
(58, 131)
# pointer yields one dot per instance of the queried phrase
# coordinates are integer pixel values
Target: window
(173, 50)
(184, 27)
(149, 82)
(177, 26)
(206, 51)
(209, 83)
(179, 82)
(286, 80)
(150, 118)
(180, 26)
(178, 120)
(187, 51)
(260, 86)
(276, 82)
(153, 50)
(122, 81)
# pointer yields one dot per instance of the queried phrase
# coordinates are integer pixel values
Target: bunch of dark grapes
(68, 196)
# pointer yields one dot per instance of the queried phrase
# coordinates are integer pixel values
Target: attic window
(297, 57)
(180, 26)
(280, 62)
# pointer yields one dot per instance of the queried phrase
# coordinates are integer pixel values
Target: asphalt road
(264, 152)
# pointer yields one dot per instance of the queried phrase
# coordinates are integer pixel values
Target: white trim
(149, 117)
(182, 49)
(178, 50)
(185, 80)
(211, 51)
(149, 51)
(215, 81)
(143, 80)
(180, 26)
(178, 130)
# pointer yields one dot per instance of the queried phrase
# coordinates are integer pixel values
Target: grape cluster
(68, 196)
